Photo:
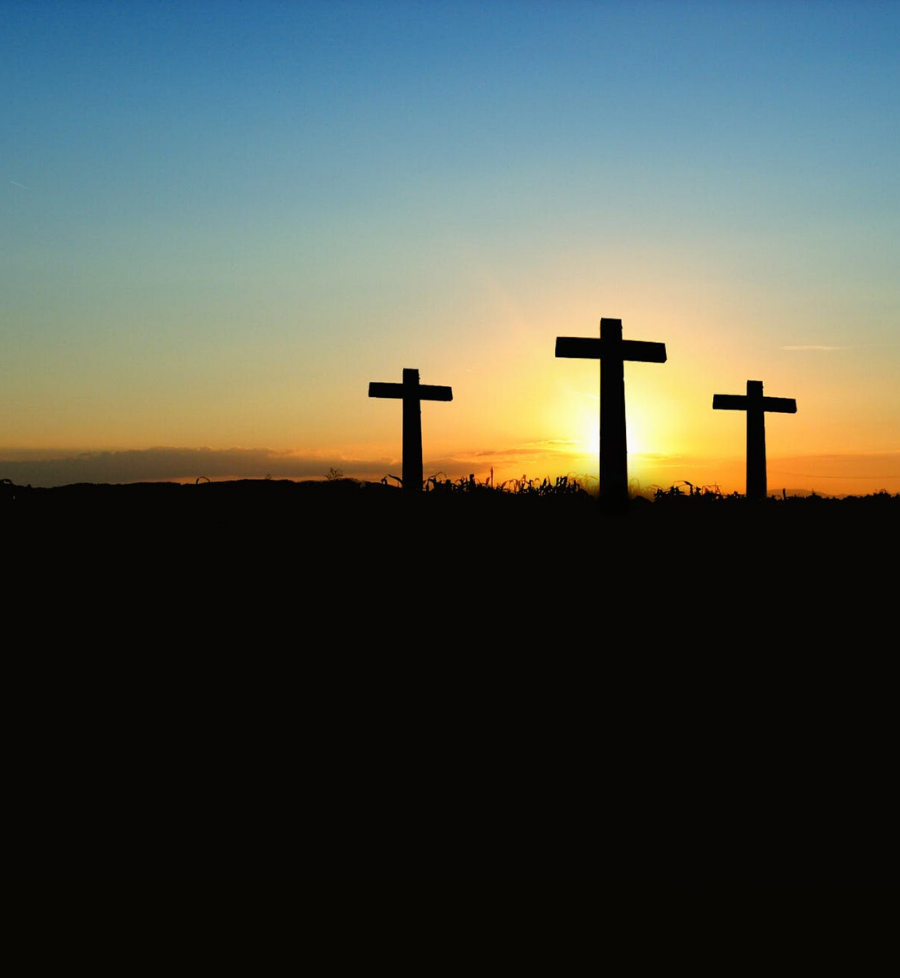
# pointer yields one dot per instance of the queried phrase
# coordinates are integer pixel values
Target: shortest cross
(412, 393)
(756, 407)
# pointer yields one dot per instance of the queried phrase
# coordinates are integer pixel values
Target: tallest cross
(612, 352)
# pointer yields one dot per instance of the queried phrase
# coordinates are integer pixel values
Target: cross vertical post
(612, 351)
(412, 393)
(613, 434)
(756, 407)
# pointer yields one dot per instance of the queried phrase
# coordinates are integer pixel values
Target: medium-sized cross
(756, 407)
(612, 351)
(412, 393)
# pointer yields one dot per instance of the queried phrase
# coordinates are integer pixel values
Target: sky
(219, 221)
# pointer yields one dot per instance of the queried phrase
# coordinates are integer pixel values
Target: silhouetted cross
(412, 394)
(612, 351)
(756, 407)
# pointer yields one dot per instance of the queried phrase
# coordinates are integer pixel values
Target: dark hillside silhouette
(612, 351)
(336, 679)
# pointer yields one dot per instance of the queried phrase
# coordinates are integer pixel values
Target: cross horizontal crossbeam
(740, 402)
(589, 348)
(420, 392)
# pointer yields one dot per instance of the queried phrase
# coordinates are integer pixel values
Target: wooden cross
(412, 393)
(756, 407)
(612, 351)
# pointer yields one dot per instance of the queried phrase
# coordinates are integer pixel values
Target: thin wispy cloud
(553, 446)
(16, 183)
(174, 464)
(46, 467)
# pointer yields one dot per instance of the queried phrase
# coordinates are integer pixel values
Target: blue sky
(220, 221)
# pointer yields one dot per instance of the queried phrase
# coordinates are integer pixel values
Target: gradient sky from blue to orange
(220, 221)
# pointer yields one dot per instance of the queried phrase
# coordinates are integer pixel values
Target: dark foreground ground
(263, 679)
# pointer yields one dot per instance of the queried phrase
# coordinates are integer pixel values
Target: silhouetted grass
(344, 500)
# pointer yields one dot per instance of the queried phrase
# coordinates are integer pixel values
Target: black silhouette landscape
(267, 678)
